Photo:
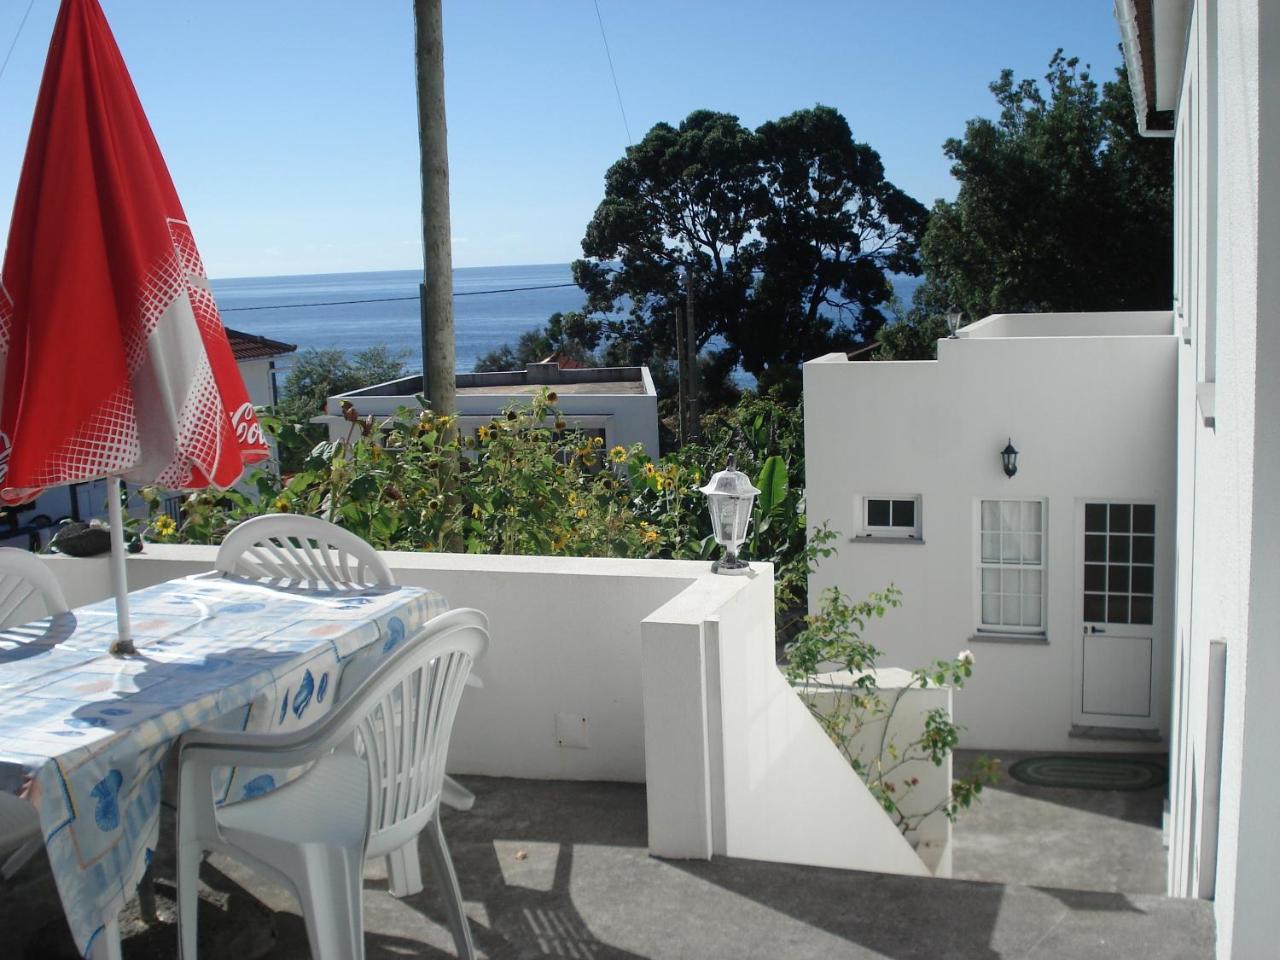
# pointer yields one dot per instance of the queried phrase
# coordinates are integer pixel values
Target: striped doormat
(1090, 773)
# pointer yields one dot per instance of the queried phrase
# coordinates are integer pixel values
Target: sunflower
(165, 527)
(650, 470)
(650, 536)
(281, 505)
(618, 454)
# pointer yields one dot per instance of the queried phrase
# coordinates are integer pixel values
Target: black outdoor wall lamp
(1009, 456)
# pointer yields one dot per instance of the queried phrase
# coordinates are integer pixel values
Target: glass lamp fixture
(730, 497)
(1009, 457)
(953, 316)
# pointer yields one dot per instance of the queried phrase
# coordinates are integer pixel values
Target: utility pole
(677, 317)
(438, 350)
(694, 429)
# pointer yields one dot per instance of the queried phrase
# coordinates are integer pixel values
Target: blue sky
(290, 125)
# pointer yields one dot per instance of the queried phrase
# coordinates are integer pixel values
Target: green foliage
(523, 484)
(572, 335)
(790, 230)
(857, 713)
(316, 376)
(1062, 206)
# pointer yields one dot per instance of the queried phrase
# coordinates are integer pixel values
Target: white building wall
(1092, 418)
(1227, 150)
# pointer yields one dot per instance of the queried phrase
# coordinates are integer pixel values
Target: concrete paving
(1103, 840)
(560, 869)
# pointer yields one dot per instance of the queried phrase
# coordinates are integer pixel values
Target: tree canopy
(790, 230)
(571, 335)
(1062, 206)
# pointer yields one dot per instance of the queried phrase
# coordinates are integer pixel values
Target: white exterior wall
(257, 380)
(1092, 418)
(1224, 842)
(673, 669)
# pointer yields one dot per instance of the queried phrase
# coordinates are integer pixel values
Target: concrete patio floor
(560, 869)
(1102, 840)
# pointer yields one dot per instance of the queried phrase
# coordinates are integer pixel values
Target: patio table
(83, 734)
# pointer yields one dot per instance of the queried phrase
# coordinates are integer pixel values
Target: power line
(616, 89)
(21, 24)
(339, 303)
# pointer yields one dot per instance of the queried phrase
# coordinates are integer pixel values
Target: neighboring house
(1059, 578)
(1192, 428)
(616, 403)
(31, 525)
(258, 359)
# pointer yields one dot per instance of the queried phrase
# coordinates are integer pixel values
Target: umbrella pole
(119, 583)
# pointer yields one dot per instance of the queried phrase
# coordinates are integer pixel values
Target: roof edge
(1137, 37)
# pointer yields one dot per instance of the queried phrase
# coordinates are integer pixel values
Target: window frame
(999, 630)
(868, 531)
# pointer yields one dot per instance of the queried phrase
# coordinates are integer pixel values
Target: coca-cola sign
(247, 429)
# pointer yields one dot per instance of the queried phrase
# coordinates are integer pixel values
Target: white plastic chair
(287, 546)
(290, 546)
(23, 576)
(374, 786)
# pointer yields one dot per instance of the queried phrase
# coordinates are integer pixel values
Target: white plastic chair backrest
(23, 575)
(404, 728)
(285, 546)
(400, 720)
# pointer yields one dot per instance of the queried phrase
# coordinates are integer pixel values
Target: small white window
(891, 517)
(1011, 566)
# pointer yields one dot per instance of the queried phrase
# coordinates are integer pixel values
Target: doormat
(1090, 773)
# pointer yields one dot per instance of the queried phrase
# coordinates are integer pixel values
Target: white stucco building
(1059, 578)
(619, 404)
(1177, 412)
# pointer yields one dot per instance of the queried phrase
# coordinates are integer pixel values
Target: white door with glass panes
(1115, 648)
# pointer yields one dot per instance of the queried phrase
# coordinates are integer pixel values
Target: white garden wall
(672, 668)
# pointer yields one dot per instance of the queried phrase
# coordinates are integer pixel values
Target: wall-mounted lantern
(1009, 457)
(953, 316)
(730, 496)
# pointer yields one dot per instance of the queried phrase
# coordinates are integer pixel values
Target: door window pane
(1119, 575)
(1095, 548)
(1144, 518)
(1118, 578)
(1144, 550)
(1120, 518)
(1095, 517)
(1095, 607)
(1118, 549)
(1144, 579)
(1095, 576)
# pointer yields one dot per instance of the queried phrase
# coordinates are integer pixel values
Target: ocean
(318, 310)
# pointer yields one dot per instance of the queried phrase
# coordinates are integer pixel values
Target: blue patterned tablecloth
(83, 734)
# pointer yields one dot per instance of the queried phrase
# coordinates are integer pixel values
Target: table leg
(147, 897)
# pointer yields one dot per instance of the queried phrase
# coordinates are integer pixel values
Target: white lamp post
(730, 496)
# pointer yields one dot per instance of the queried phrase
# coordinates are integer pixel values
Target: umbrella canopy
(113, 359)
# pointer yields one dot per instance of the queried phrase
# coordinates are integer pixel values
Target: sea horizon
(351, 311)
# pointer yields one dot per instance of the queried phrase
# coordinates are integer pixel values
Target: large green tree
(790, 230)
(1062, 206)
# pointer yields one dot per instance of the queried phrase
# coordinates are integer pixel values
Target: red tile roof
(250, 346)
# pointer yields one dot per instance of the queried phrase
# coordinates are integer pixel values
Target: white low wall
(631, 670)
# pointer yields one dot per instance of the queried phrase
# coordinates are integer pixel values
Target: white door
(1116, 651)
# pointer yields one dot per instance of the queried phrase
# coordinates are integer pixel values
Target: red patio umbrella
(113, 360)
